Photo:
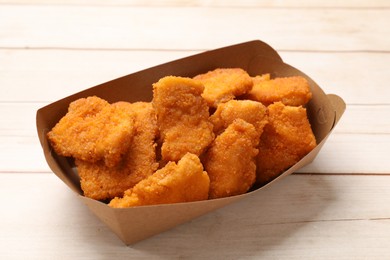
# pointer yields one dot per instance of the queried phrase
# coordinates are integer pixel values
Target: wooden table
(338, 207)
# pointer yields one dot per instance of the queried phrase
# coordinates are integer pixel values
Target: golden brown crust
(182, 116)
(230, 161)
(117, 155)
(224, 84)
(291, 91)
(101, 182)
(182, 182)
(252, 112)
(286, 139)
(93, 130)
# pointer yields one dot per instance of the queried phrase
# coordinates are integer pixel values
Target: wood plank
(359, 144)
(353, 154)
(214, 3)
(22, 154)
(301, 217)
(190, 28)
(18, 119)
(365, 119)
(323, 240)
(342, 154)
(63, 72)
(360, 78)
(357, 77)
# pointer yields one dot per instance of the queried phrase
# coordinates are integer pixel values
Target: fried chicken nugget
(182, 116)
(291, 91)
(93, 130)
(259, 78)
(224, 84)
(182, 182)
(230, 160)
(252, 112)
(101, 182)
(286, 139)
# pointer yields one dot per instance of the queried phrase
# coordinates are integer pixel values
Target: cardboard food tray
(137, 223)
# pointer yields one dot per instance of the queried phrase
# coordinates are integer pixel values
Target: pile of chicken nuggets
(211, 136)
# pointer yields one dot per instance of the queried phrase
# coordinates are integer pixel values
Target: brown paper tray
(135, 224)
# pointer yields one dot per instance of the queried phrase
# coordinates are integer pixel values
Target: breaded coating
(258, 78)
(252, 112)
(224, 84)
(286, 139)
(291, 91)
(93, 130)
(182, 182)
(182, 116)
(101, 182)
(230, 161)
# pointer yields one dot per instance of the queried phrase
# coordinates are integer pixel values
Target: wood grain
(317, 217)
(335, 208)
(358, 144)
(356, 77)
(82, 27)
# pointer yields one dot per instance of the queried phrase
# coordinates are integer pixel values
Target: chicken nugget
(182, 182)
(93, 130)
(230, 160)
(259, 78)
(286, 139)
(101, 182)
(182, 117)
(291, 91)
(222, 85)
(252, 112)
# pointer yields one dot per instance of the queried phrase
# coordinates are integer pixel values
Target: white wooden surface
(336, 208)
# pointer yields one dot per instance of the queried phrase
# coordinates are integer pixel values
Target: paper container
(137, 223)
